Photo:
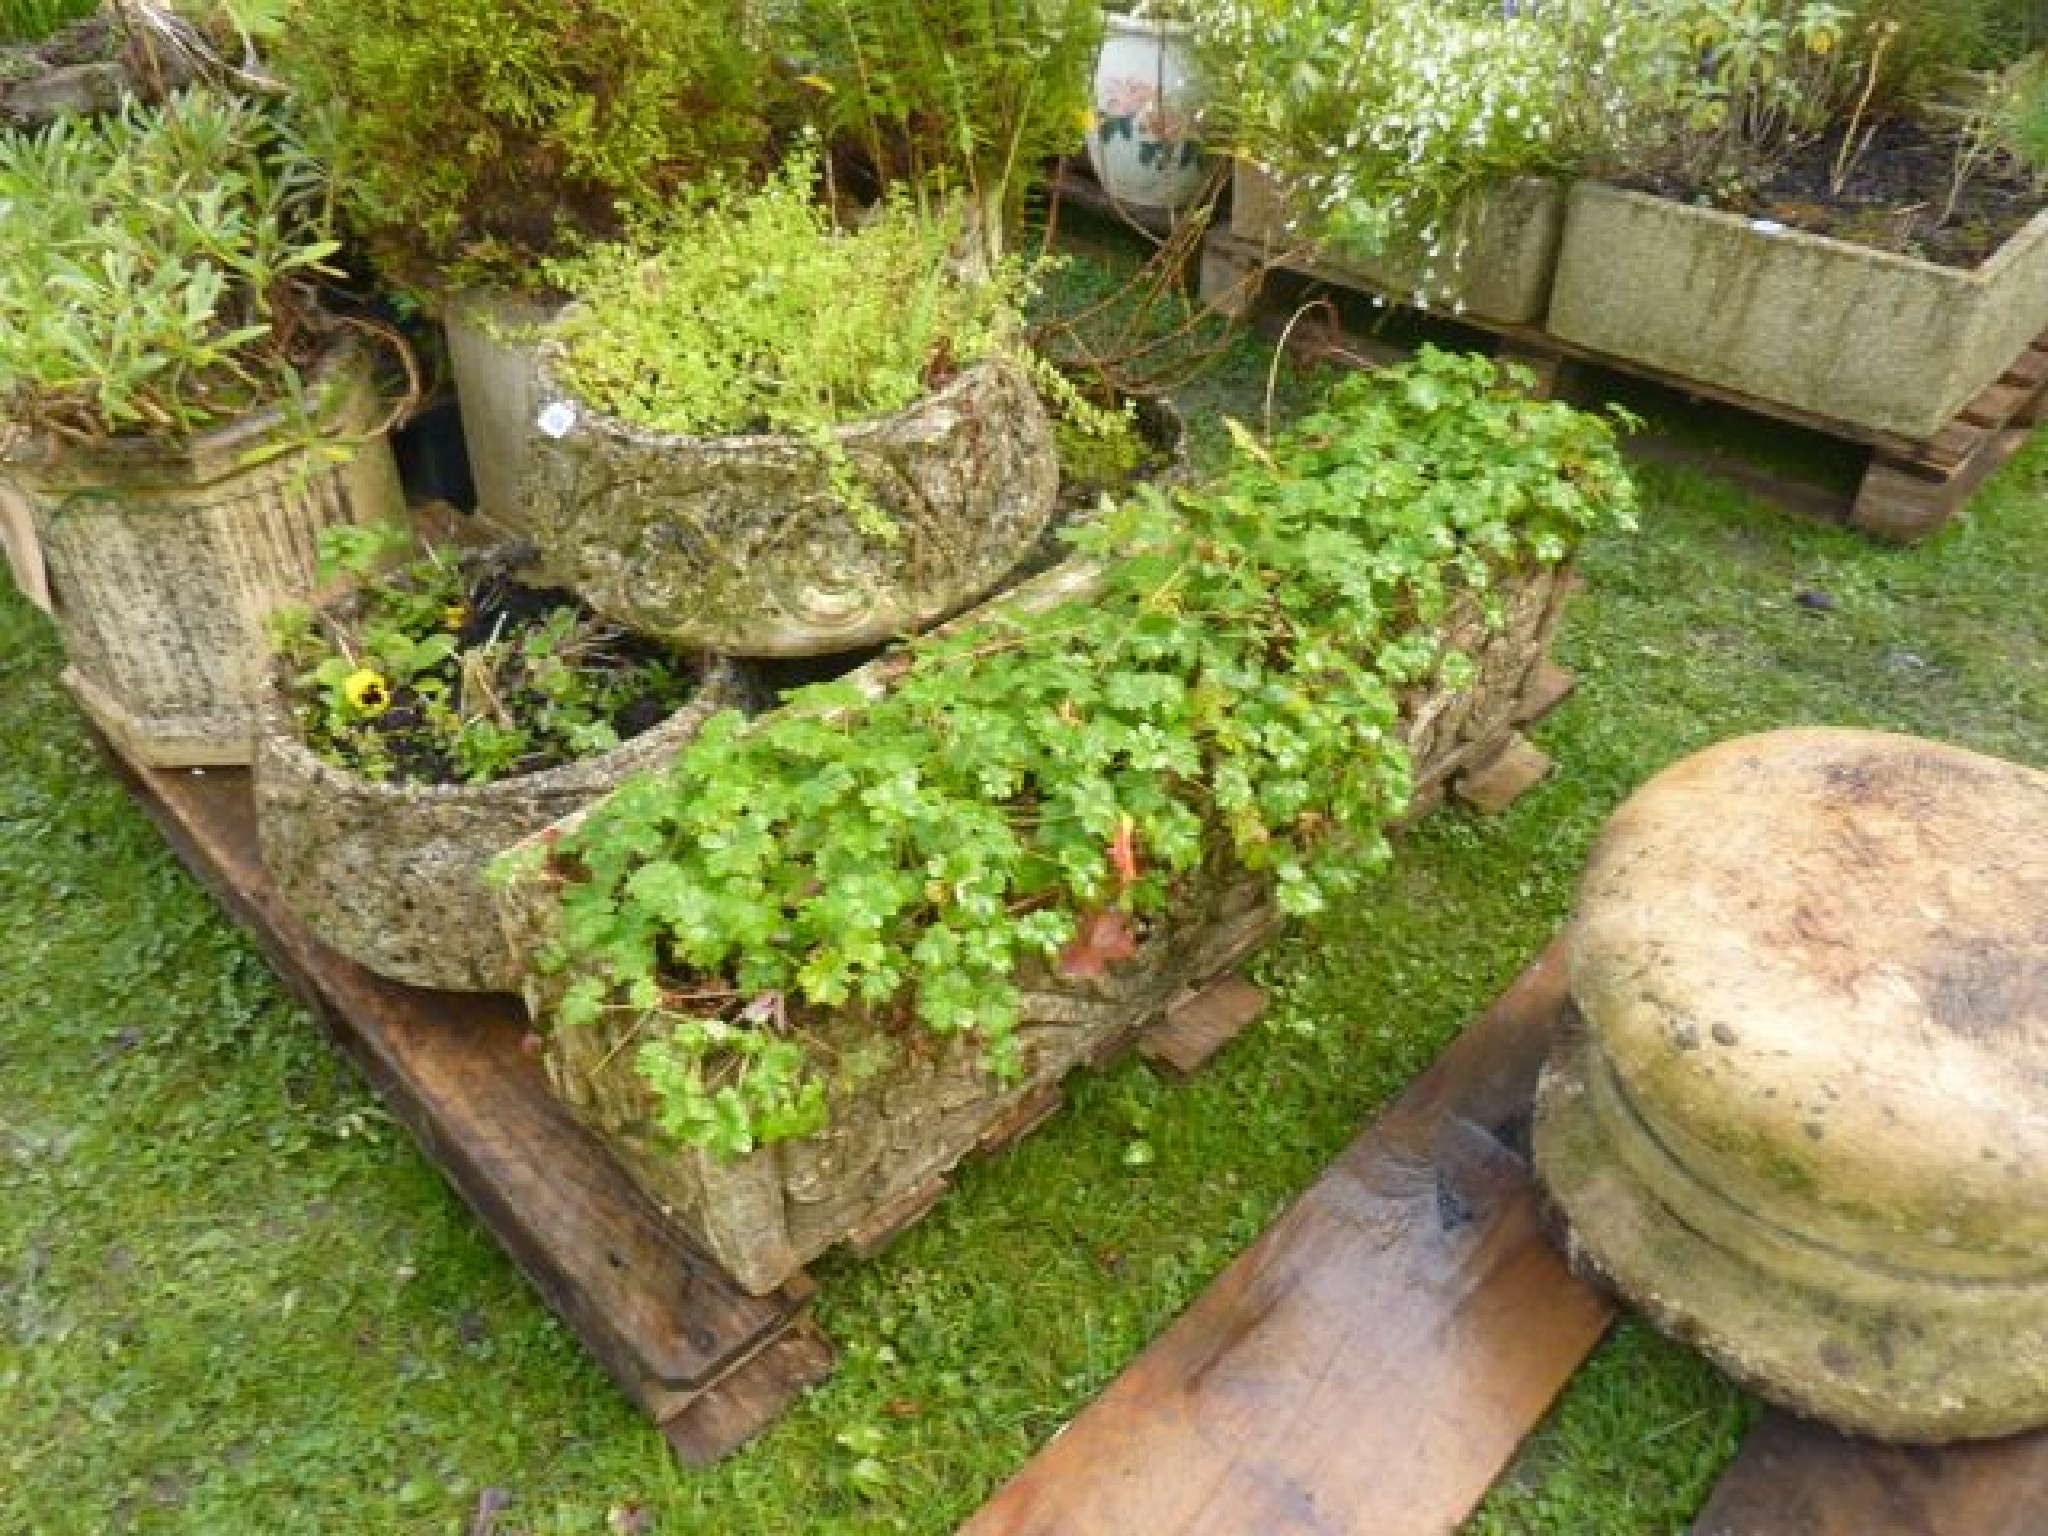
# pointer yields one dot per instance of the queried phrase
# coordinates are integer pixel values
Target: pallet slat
(663, 1319)
(1372, 1361)
(1796, 1478)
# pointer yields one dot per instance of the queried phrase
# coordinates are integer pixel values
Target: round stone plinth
(1800, 1113)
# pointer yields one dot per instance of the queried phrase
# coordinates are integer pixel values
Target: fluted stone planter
(1801, 1117)
(1852, 335)
(1506, 247)
(739, 544)
(928, 1104)
(494, 341)
(163, 561)
(391, 874)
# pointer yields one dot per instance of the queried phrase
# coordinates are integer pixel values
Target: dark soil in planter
(640, 682)
(1893, 199)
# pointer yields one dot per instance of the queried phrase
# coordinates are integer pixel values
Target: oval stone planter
(162, 562)
(1143, 140)
(1507, 238)
(494, 346)
(767, 1214)
(392, 874)
(739, 544)
(1857, 337)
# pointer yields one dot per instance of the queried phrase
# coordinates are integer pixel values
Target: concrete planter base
(1874, 342)
(1510, 243)
(494, 357)
(932, 1102)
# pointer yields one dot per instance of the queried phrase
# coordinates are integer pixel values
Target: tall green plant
(473, 138)
(955, 96)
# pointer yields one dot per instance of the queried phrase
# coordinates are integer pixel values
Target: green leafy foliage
(755, 312)
(472, 138)
(444, 669)
(1038, 785)
(954, 96)
(153, 268)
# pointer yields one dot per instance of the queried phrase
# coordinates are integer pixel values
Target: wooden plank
(750, 1398)
(1372, 1361)
(1548, 686)
(1796, 1478)
(1494, 785)
(1195, 1029)
(662, 1318)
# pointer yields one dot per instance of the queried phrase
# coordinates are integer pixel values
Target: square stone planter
(1865, 339)
(1511, 237)
(161, 561)
(930, 1102)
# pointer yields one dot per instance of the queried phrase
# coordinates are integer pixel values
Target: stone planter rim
(554, 388)
(1147, 26)
(137, 461)
(718, 687)
(1984, 273)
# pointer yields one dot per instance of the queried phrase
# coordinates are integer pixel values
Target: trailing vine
(1033, 785)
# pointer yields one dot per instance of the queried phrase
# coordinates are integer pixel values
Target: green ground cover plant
(1229, 693)
(234, 1299)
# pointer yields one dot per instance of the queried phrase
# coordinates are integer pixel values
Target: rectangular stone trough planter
(767, 1214)
(1866, 339)
(1511, 234)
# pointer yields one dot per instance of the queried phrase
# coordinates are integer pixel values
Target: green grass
(30, 21)
(234, 1299)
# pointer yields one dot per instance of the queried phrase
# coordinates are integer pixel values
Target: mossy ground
(234, 1298)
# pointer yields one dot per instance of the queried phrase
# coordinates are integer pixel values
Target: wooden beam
(1796, 1478)
(1373, 1360)
(662, 1318)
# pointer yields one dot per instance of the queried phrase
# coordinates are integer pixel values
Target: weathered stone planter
(391, 874)
(1508, 238)
(1854, 336)
(739, 545)
(1801, 1118)
(163, 561)
(494, 356)
(769, 1213)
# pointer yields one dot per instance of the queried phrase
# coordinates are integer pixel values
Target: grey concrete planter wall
(494, 341)
(392, 874)
(1510, 238)
(767, 1214)
(739, 544)
(164, 561)
(1859, 337)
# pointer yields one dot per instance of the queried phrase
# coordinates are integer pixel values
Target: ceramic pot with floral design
(1143, 136)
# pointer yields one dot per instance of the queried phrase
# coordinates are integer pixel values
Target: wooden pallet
(1373, 1361)
(709, 1364)
(1910, 488)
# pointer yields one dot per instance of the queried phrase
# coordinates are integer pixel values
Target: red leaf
(1103, 938)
